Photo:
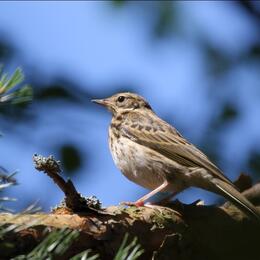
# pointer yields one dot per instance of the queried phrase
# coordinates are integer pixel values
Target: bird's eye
(121, 99)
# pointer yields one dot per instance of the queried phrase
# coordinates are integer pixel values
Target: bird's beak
(103, 102)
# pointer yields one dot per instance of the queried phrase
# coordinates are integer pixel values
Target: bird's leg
(141, 201)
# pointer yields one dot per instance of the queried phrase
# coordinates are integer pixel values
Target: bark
(178, 231)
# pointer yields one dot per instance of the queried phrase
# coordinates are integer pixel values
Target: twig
(73, 199)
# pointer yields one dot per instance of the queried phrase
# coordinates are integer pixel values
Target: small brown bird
(153, 154)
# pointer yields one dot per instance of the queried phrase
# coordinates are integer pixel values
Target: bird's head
(123, 102)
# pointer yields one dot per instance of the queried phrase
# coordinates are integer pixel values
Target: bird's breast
(136, 162)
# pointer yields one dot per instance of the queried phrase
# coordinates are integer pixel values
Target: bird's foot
(136, 203)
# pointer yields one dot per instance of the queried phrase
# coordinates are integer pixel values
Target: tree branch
(179, 231)
(73, 200)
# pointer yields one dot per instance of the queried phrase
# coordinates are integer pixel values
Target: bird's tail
(232, 194)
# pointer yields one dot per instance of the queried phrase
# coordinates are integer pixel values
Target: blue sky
(97, 44)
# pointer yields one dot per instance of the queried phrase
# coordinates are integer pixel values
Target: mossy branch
(178, 231)
(74, 201)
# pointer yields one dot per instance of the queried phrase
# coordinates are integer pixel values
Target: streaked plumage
(153, 154)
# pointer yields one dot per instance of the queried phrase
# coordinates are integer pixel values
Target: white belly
(137, 163)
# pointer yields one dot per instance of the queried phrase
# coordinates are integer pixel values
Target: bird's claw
(136, 203)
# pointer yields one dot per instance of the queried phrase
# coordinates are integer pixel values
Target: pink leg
(141, 201)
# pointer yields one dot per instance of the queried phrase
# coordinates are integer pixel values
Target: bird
(153, 154)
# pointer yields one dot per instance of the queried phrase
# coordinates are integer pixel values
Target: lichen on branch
(178, 231)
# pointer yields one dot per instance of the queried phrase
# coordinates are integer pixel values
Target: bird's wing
(164, 139)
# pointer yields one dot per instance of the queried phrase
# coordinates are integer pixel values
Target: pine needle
(129, 252)
(7, 83)
(85, 256)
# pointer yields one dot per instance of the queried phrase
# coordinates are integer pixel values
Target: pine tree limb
(73, 200)
(178, 231)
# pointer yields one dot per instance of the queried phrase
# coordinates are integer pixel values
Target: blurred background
(197, 63)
